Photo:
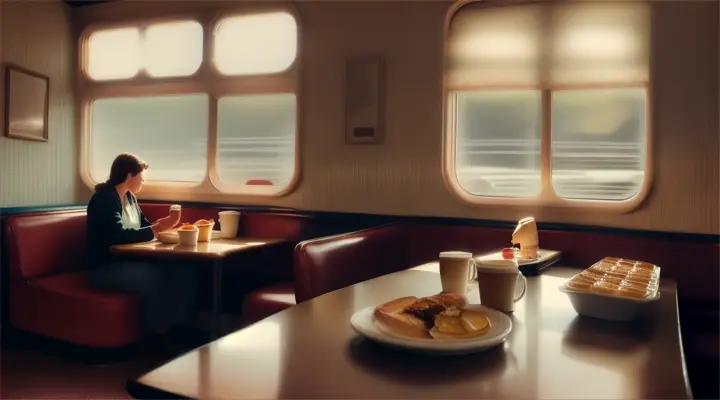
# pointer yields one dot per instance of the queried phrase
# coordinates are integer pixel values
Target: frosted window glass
(169, 132)
(598, 143)
(113, 54)
(498, 143)
(255, 44)
(256, 139)
(173, 49)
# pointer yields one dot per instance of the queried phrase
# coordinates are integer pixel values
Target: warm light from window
(114, 54)
(598, 43)
(173, 49)
(497, 47)
(255, 44)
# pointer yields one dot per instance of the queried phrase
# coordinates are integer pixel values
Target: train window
(161, 50)
(230, 129)
(547, 101)
(498, 142)
(255, 44)
(598, 143)
(256, 140)
(173, 49)
(113, 54)
(169, 132)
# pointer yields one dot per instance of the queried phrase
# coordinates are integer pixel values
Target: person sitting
(167, 292)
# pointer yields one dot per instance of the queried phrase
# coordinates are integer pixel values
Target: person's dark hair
(123, 165)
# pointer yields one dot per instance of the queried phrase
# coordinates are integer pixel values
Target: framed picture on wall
(27, 98)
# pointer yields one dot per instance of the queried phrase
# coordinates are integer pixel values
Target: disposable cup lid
(229, 212)
(456, 255)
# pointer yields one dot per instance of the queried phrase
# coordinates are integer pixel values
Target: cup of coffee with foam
(456, 270)
(497, 281)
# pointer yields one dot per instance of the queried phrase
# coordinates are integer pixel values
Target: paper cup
(229, 223)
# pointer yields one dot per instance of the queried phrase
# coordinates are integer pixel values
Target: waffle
(618, 277)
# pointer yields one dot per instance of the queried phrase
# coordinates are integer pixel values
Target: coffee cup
(229, 223)
(497, 281)
(456, 270)
(175, 210)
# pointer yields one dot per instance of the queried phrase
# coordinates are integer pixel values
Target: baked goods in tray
(618, 277)
(440, 317)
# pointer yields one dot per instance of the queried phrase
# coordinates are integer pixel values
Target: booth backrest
(44, 244)
(342, 259)
(330, 263)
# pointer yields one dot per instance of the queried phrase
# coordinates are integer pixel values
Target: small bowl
(188, 237)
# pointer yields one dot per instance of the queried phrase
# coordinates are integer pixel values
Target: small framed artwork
(27, 98)
(365, 101)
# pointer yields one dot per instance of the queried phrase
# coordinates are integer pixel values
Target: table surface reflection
(214, 249)
(310, 351)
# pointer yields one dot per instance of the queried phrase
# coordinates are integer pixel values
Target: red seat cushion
(267, 301)
(66, 307)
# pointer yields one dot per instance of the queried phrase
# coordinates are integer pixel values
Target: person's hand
(166, 223)
(170, 221)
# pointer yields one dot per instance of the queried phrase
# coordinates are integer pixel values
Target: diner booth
(447, 199)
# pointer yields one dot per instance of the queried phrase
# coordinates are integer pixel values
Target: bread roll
(393, 319)
(413, 317)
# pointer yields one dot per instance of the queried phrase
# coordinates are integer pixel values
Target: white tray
(608, 306)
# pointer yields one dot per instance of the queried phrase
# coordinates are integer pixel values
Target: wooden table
(310, 351)
(215, 250)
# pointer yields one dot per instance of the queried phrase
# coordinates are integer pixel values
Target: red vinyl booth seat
(49, 291)
(326, 264)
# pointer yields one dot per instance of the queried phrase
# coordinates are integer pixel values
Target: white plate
(363, 322)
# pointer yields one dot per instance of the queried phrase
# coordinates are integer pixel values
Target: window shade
(494, 46)
(600, 43)
(548, 44)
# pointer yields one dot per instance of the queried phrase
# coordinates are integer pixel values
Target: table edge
(139, 390)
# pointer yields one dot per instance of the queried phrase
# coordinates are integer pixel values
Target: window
(598, 143)
(114, 54)
(255, 44)
(498, 142)
(173, 49)
(256, 139)
(153, 89)
(548, 101)
(169, 132)
(161, 50)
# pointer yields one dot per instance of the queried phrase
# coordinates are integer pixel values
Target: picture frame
(365, 100)
(27, 100)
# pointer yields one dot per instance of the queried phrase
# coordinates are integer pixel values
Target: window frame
(205, 80)
(215, 24)
(547, 197)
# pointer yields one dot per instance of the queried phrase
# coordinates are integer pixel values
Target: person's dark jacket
(104, 226)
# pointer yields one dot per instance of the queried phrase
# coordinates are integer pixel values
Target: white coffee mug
(456, 270)
(497, 283)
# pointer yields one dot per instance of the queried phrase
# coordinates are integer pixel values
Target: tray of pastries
(614, 288)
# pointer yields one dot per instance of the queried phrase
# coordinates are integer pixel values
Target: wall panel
(37, 35)
(403, 176)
